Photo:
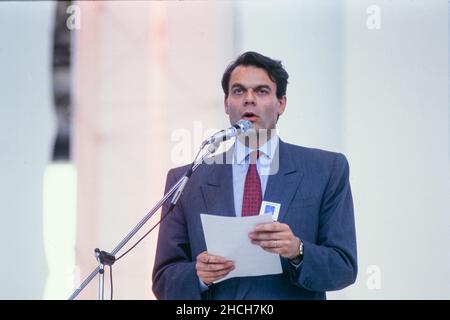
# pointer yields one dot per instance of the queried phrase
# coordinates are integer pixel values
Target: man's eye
(237, 91)
(263, 91)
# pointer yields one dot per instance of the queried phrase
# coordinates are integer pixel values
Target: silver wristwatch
(299, 258)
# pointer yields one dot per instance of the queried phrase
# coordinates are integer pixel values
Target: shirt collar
(241, 151)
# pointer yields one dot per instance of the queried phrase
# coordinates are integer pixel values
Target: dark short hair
(274, 69)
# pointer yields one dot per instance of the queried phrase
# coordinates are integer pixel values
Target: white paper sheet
(228, 237)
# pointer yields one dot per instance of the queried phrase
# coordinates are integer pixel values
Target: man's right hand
(211, 268)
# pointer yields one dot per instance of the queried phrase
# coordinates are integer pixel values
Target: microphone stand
(105, 258)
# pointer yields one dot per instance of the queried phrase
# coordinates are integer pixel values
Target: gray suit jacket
(313, 188)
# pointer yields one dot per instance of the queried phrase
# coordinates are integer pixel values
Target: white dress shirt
(240, 166)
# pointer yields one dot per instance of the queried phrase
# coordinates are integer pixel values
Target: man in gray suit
(314, 234)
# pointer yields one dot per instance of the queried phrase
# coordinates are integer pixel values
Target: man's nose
(249, 97)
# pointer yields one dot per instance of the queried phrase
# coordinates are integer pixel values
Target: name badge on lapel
(270, 208)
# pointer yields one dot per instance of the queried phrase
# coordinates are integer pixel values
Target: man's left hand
(277, 238)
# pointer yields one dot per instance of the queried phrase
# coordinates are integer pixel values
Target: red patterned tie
(252, 190)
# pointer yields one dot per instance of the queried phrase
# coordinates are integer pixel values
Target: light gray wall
(27, 127)
(396, 121)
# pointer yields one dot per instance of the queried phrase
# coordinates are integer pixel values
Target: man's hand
(277, 238)
(211, 268)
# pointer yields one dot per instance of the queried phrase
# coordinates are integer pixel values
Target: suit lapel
(218, 190)
(281, 187)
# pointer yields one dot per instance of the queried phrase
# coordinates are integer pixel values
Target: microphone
(242, 126)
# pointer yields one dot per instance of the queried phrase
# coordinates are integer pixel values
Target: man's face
(252, 96)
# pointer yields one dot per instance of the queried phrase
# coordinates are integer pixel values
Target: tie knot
(253, 156)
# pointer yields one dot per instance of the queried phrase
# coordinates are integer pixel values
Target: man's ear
(225, 104)
(282, 106)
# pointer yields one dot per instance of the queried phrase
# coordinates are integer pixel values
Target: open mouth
(249, 116)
